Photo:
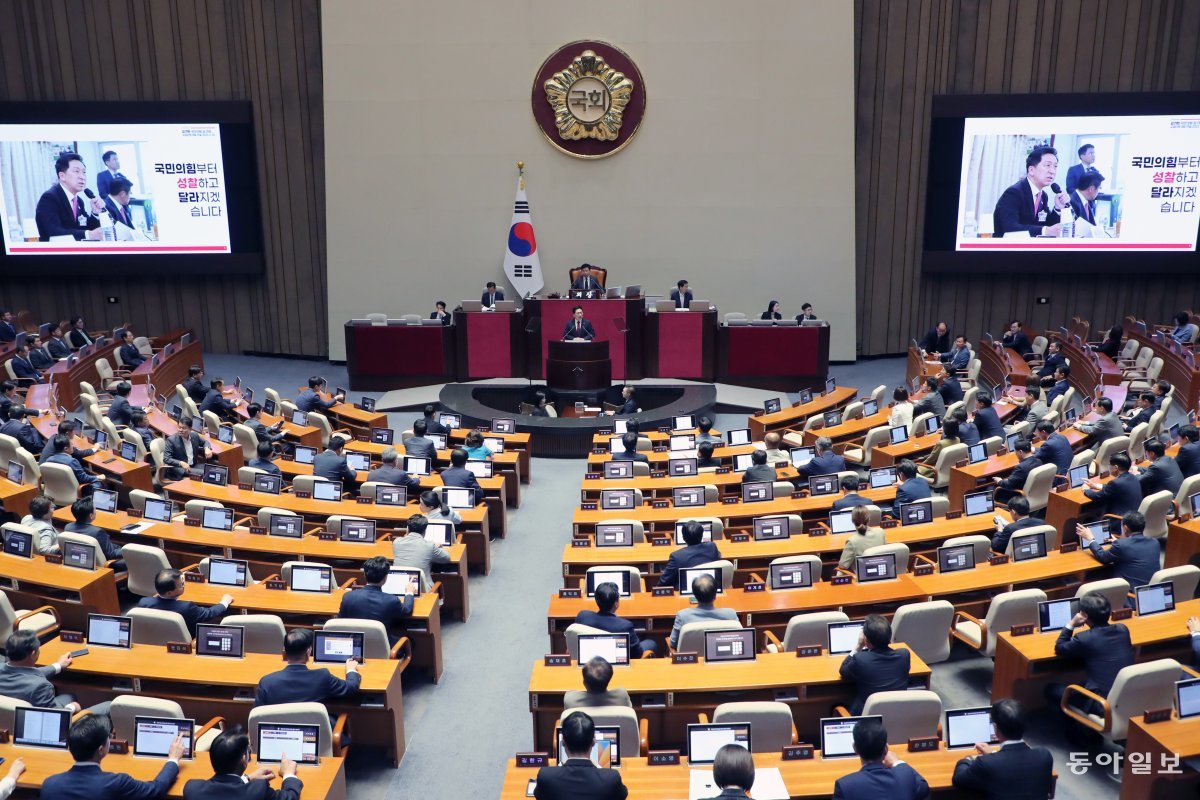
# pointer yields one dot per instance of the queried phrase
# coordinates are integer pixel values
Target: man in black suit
(8, 326)
(8, 399)
(65, 428)
(806, 313)
(20, 428)
(1105, 649)
(825, 462)
(418, 446)
(1087, 157)
(1024, 206)
(1054, 360)
(759, 469)
(117, 202)
(628, 404)
(850, 496)
(1010, 769)
(882, 774)
(433, 420)
(261, 431)
(262, 460)
(608, 600)
(296, 683)
(371, 602)
(987, 421)
(184, 449)
(911, 487)
(120, 411)
(1016, 339)
(1188, 457)
(229, 754)
(681, 295)
(331, 464)
(310, 399)
(930, 403)
(439, 313)
(629, 441)
(57, 345)
(949, 388)
(22, 367)
(39, 357)
(586, 282)
(61, 211)
(875, 666)
(936, 340)
(1019, 507)
(1134, 557)
(1083, 199)
(1141, 412)
(491, 295)
(215, 401)
(130, 355)
(169, 585)
(1120, 495)
(1162, 473)
(1062, 384)
(696, 551)
(578, 778)
(108, 177)
(89, 742)
(83, 511)
(389, 473)
(1055, 448)
(195, 386)
(577, 327)
(457, 473)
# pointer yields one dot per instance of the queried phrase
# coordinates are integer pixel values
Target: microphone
(90, 196)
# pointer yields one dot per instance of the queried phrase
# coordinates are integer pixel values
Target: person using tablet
(875, 666)
(230, 757)
(850, 497)
(389, 472)
(262, 432)
(1120, 495)
(597, 675)
(608, 600)
(1010, 769)
(1133, 556)
(371, 602)
(912, 487)
(22, 679)
(882, 774)
(310, 399)
(331, 465)
(169, 585)
(296, 683)
(1018, 506)
(457, 474)
(88, 742)
(704, 588)
(759, 470)
(263, 459)
(413, 550)
(865, 536)
(696, 551)
(578, 778)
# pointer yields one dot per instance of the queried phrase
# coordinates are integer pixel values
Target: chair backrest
(635, 577)
(143, 563)
(1083, 457)
(194, 508)
(727, 570)
(285, 571)
(906, 714)
(574, 631)
(8, 447)
(1115, 590)
(814, 564)
(135, 439)
(814, 422)
(125, 708)
(246, 474)
(1049, 530)
(876, 437)
(734, 316)
(939, 503)
(982, 545)
(852, 411)
(640, 468)
(334, 523)
(264, 514)
(246, 438)
(810, 630)
(1154, 369)
(60, 484)
(1038, 484)
(8, 618)
(1128, 351)
(1139, 687)
(211, 421)
(264, 633)
(138, 498)
(1108, 448)
(8, 712)
(899, 549)
(152, 626)
(782, 488)
(33, 472)
(1189, 487)
(918, 424)
(1155, 423)
(691, 635)
(925, 628)
(1144, 357)
(157, 452)
(622, 717)
(947, 458)
(1155, 509)
(770, 720)
(955, 406)
(299, 714)
(143, 346)
(84, 539)
(105, 371)
(304, 483)
(321, 423)
(1137, 441)
(1184, 578)
(1018, 607)
(375, 635)
(878, 393)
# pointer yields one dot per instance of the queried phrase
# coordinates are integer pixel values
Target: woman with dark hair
(434, 508)
(902, 409)
(475, 447)
(733, 772)
(772, 311)
(1111, 346)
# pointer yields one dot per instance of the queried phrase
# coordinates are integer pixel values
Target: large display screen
(150, 186)
(1025, 182)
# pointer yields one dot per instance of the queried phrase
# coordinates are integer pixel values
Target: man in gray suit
(417, 445)
(1105, 428)
(412, 550)
(331, 465)
(597, 673)
(705, 590)
(390, 473)
(22, 679)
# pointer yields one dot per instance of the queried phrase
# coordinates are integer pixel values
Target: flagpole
(521, 173)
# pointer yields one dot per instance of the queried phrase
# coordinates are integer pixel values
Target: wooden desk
(916, 448)
(16, 496)
(1183, 543)
(974, 477)
(998, 363)
(805, 780)
(1025, 664)
(917, 367)
(351, 416)
(506, 464)
(668, 696)
(306, 435)
(326, 780)
(658, 459)
(761, 424)
(107, 464)
(171, 370)
(474, 529)
(520, 443)
(729, 484)
(228, 455)
(854, 430)
(66, 378)
(385, 357)
(208, 686)
(1173, 739)
(74, 593)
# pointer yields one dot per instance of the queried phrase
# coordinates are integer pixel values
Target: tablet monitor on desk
(227, 571)
(898, 434)
(682, 441)
(267, 483)
(967, 726)
(705, 525)
(612, 647)
(1028, 546)
(689, 574)
(458, 497)
(620, 426)
(493, 443)
(839, 521)
(606, 747)
(129, 449)
(704, 740)
(402, 581)
(361, 531)
(614, 535)
(18, 543)
(327, 490)
(416, 465)
(386, 495)
(1154, 598)
(767, 528)
(882, 478)
(875, 568)
(612, 469)
(801, 456)
(287, 525)
(743, 462)
(683, 422)
(336, 647)
(975, 503)
(78, 555)
(729, 645)
(451, 421)
(1187, 698)
(299, 418)
(805, 396)
(504, 425)
(819, 485)
(681, 467)
(215, 475)
(107, 630)
(615, 445)
(310, 578)
(222, 641)
(224, 435)
(1077, 475)
(832, 418)
(176, 412)
(439, 533)
(16, 472)
(977, 453)
(216, 519)
(359, 462)
(153, 736)
(956, 557)
(687, 496)
(619, 577)
(796, 575)
(480, 469)
(1100, 529)
(870, 408)
(438, 439)
(104, 500)
(737, 436)
(933, 424)
(772, 406)
(830, 383)
(618, 499)
(916, 513)
(1053, 615)
(300, 743)
(305, 454)
(382, 435)
(269, 407)
(158, 510)
(757, 492)
(1010, 441)
(41, 727)
(837, 735)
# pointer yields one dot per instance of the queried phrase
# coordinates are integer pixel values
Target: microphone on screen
(90, 195)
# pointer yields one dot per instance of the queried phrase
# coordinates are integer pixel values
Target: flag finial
(521, 173)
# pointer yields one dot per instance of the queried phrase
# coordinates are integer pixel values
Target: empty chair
(982, 545)
(1184, 578)
(143, 563)
(138, 498)
(1155, 508)
(574, 631)
(321, 423)
(770, 721)
(274, 395)
(8, 447)
(377, 319)
(304, 483)
(211, 421)
(329, 737)
(59, 483)
(43, 620)
(194, 508)
(898, 549)
(135, 439)
(264, 633)
(925, 629)
(861, 454)
(781, 488)
(375, 636)
(247, 439)
(635, 577)
(1189, 487)
(8, 711)
(852, 411)
(266, 512)
(151, 626)
(1114, 590)
(1137, 688)
(908, 714)
(246, 474)
(1138, 380)
(947, 458)
(1083, 457)
(735, 318)
(691, 635)
(126, 708)
(1007, 609)
(970, 397)
(992, 444)
(814, 564)
(285, 571)
(334, 523)
(88, 541)
(805, 630)
(203, 566)
(633, 732)
(1137, 441)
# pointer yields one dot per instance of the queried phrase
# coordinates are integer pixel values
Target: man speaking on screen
(62, 211)
(1024, 206)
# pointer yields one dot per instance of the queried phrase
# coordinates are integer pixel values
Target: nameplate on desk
(258, 530)
(818, 530)
(662, 758)
(799, 494)
(888, 523)
(276, 585)
(759, 413)
(118, 747)
(660, 542)
(570, 594)
(287, 457)
(962, 463)
(1021, 630)
(1061, 488)
(739, 537)
(133, 512)
(483, 428)
(188, 522)
(598, 451)
(723, 470)
(754, 586)
(557, 660)
(604, 432)
(660, 504)
(808, 650)
(303, 495)
(5, 736)
(658, 473)
(729, 501)
(953, 514)
(71, 637)
(180, 648)
(587, 506)
(842, 580)
(364, 501)
(1153, 715)
(581, 543)
(1119, 614)
(660, 449)
(664, 428)
(326, 536)
(997, 560)
(53, 558)
(685, 658)
(921, 570)
(361, 437)
(662, 591)
(592, 476)
(245, 487)
(1068, 547)
(924, 744)
(193, 577)
(798, 752)
(533, 760)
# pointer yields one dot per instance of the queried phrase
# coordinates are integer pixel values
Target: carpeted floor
(461, 732)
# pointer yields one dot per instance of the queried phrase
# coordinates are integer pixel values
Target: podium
(578, 366)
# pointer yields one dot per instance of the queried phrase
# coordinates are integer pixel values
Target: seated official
(310, 399)
(825, 462)
(262, 459)
(1032, 407)
(261, 431)
(1103, 648)
(185, 449)
(628, 404)
(1008, 769)
(704, 588)
(1185, 329)
(695, 551)
(733, 772)
(950, 389)
(39, 356)
(901, 413)
(130, 355)
(928, 469)
(774, 311)
(120, 411)
(968, 434)
(62, 446)
(491, 295)
(23, 430)
(1111, 345)
(578, 328)
(230, 754)
(476, 449)
(704, 455)
(195, 386)
(1016, 339)
(418, 446)
(704, 426)
(1024, 206)
(440, 313)
(875, 666)
(215, 402)
(539, 406)
(1054, 359)
(771, 446)
(22, 367)
(1188, 457)
(986, 420)
(22, 679)
(912, 487)
(57, 346)
(1055, 448)
(78, 335)
(1061, 384)
(331, 464)
(1160, 390)
(1162, 473)
(1018, 506)
(759, 469)
(8, 399)
(597, 674)
(296, 683)
(139, 423)
(88, 742)
(883, 774)
(959, 356)
(413, 550)
(371, 602)
(1142, 411)
(806, 313)
(433, 508)
(84, 513)
(433, 420)
(169, 587)
(1119, 495)
(1133, 556)
(931, 402)
(8, 326)
(388, 472)
(850, 497)
(608, 601)
(457, 473)
(936, 340)
(61, 211)
(586, 282)
(681, 295)
(864, 537)
(630, 452)
(578, 778)
(1107, 427)
(41, 520)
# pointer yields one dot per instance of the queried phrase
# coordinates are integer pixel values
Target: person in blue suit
(959, 356)
(62, 455)
(875, 666)
(296, 683)
(911, 486)
(577, 327)
(1061, 385)
(22, 367)
(608, 600)
(1119, 495)
(371, 602)
(697, 551)
(1087, 157)
(110, 175)
(491, 295)
(1083, 198)
(986, 420)
(117, 202)
(310, 399)
(1188, 457)
(1133, 557)
(1008, 486)
(681, 295)
(825, 462)
(88, 742)
(1055, 448)
(169, 586)
(882, 773)
(1054, 359)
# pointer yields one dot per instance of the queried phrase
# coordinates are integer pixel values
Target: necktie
(1036, 198)
(577, 326)
(75, 209)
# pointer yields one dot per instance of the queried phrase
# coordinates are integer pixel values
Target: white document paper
(768, 785)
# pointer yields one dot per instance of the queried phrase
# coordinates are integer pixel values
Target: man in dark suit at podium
(1024, 206)
(492, 295)
(681, 295)
(578, 327)
(585, 282)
